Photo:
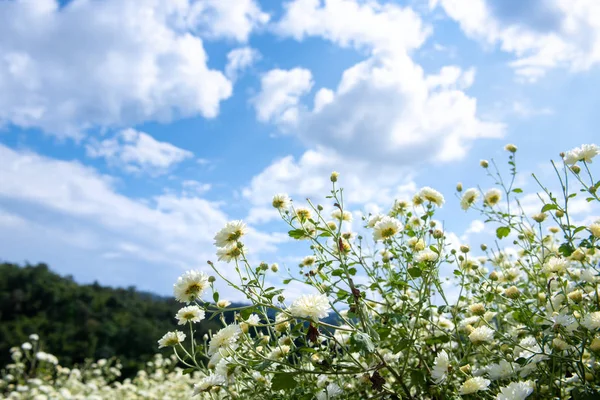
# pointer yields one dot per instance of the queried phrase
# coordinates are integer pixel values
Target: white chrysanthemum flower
(427, 255)
(171, 339)
(492, 197)
(230, 234)
(308, 261)
(312, 306)
(253, 320)
(432, 196)
(584, 153)
(469, 198)
(208, 382)
(502, 370)
(591, 321)
(223, 303)
(374, 220)
(190, 286)
(483, 334)
(556, 265)
(341, 216)
(26, 346)
(515, 391)
(440, 367)
(331, 391)
(386, 228)
(226, 338)
(281, 201)
(473, 385)
(229, 253)
(303, 214)
(279, 352)
(595, 229)
(189, 314)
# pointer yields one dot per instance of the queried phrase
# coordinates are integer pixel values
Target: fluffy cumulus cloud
(542, 34)
(85, 64)
(69, 215)
(368, 186)
(385, 108)
(239, 59)
(279, 97)
(137, 151)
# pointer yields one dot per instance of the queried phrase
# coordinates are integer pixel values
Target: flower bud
(512, 292)
(211, 279)
(539, 218)
(484, 163)
(464, 248)
(559, 213)
(483, 247)
(511, 148)
(438, 234)
(334, 176)
(575, 296)
(274, 267)
(576, 169)
(459, 187)
(477, 309)
(595, 345)
(494, 276)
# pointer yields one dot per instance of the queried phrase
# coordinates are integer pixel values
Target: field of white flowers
(375, 322)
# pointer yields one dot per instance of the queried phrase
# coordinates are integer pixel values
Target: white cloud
(239, 59)
(113, 63)
(73, 218)
(137, 151)
(365, 184)
(280, 94)
(386, 108)
(541, 34)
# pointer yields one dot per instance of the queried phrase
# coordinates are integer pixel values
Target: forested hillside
(76, 322)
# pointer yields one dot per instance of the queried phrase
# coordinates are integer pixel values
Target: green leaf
(415, 272)
(502, 232)
(297, 233)
(517, 190)
(216, 297)
(363, 341)
(548, 207)
(352, 271)
(283, 381)
(286, 281)
(566, 249)
(188, 371)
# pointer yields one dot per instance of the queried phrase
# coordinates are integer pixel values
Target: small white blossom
(473, 385)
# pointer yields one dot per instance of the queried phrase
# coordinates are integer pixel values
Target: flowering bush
(376, 321)
(37, 375)
(379, 318)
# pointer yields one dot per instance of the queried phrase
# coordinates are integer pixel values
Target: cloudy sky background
(132, 130)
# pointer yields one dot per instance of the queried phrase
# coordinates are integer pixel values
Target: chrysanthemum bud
(280, 298)
(595, 345)
(334, 176)
(244, 327)
(494, 276)
(554, 229)
(512, 292)
(274, 267)
(466, 368)
(483, 247)
(575, 296)
(576, 169)
(484, 163)
(578, 255)
(477, 309)
(464, 248)
(459, 187)
(211, 279)
(560, 344)
(264, 266)
(539, 218)
(510, 147)
(542, 297)
(595, 229)
(438, 234)
(432, 224)
(559, 213)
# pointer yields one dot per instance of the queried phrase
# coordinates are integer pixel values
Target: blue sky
(131, 131)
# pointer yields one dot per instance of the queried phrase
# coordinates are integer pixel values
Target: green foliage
(78, 322)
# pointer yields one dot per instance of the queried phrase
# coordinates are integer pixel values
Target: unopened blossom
(440, 367)
(190, 286)
(482, 334)
(26, 346)
(492, 197)
(225, 338)
(171, 339)
(595, 229)
(432, 196)
(515, 391)
(510, 148)
(473, 385)
(341, 215)
(229, 253)
(189, 314)
(230, 234)
(386, 228)
(312, 306)
(34, 337)
(591, 321)
(281, 201)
